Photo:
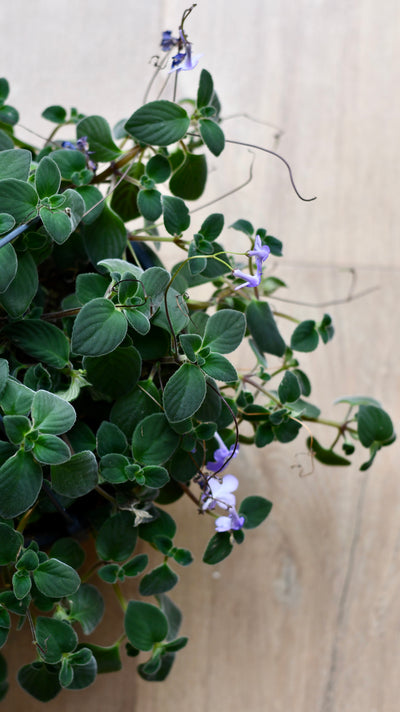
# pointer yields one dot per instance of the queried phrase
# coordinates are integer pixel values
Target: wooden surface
(305, 616)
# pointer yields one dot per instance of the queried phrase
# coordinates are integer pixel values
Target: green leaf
(155, 477)
(20, 482)
(160, 580)
(15, 163)
(62, 222)
(112, 468)
(55, 638)
(93, 200)
(125, 365)
(42, 340)
(130, 409)
(16, 427)
(87, 607)
(50, 450)
(56, 579)
(305, 336)
(177, 312)
(84, 674)
(11, 542)
(16, 399)
(19, 199)
(254, 509)
(107, 658)
(124, 197)
(90, 286)
(184, 393)
(205, 90)
(218, 367)
(76, 477)
(110, 439)
(218, 548)
(68, 551)
(99, 136)
(158, 123)
(40, 681)
(8, 266)
(47, 178)
(98, 329)
(21, 582)
(162, 526)
(8, 115)
(7, 222)
(263, 328)
(4, 373)
(326, 329)
(189, 180)
(116, 538)
(149, 204)
(243, 226)
(176, 215)
(55, 113)
(145, 625)
(358, 400)
(212, 135)
(109, 573)
(153, 440)
(4, 89)
(374, 425)
(224, 331)
(69, 162)
(20, 292)
(136, 565)
(289, 388)
(52, 414)
(105, 237)
(326, 456)
(212, 226)
(158, 168)
(6, 141)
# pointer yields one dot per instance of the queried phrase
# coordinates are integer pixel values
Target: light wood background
(305, 617)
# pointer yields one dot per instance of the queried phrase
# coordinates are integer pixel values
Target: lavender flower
(81, 145)
(167, 41)
(220, 492)
(260, 252)
(184, 60)
(232, 521)
(221, 455)
(251, 280)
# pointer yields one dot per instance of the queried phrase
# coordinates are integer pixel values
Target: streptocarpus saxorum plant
(117, 393)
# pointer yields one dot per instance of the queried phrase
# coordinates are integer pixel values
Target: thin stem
(17, 231)
(272, 153)
(120, 597)
(105, 494)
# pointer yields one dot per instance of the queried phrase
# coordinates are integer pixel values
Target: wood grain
(305, 615)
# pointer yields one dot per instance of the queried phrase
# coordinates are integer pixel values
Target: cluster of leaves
(114, 381)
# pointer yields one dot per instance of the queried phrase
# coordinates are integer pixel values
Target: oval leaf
(145, 625)
(184, 393)
(98, 329)
(158, 123)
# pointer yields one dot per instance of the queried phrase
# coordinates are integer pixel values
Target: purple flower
(232, 521)
(221, 455)
(167, 41)
(220, 492)
(81, 145)
(251, 280)
(184, 60)
(260, 252)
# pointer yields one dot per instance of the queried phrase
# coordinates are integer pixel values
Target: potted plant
(117, 392)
